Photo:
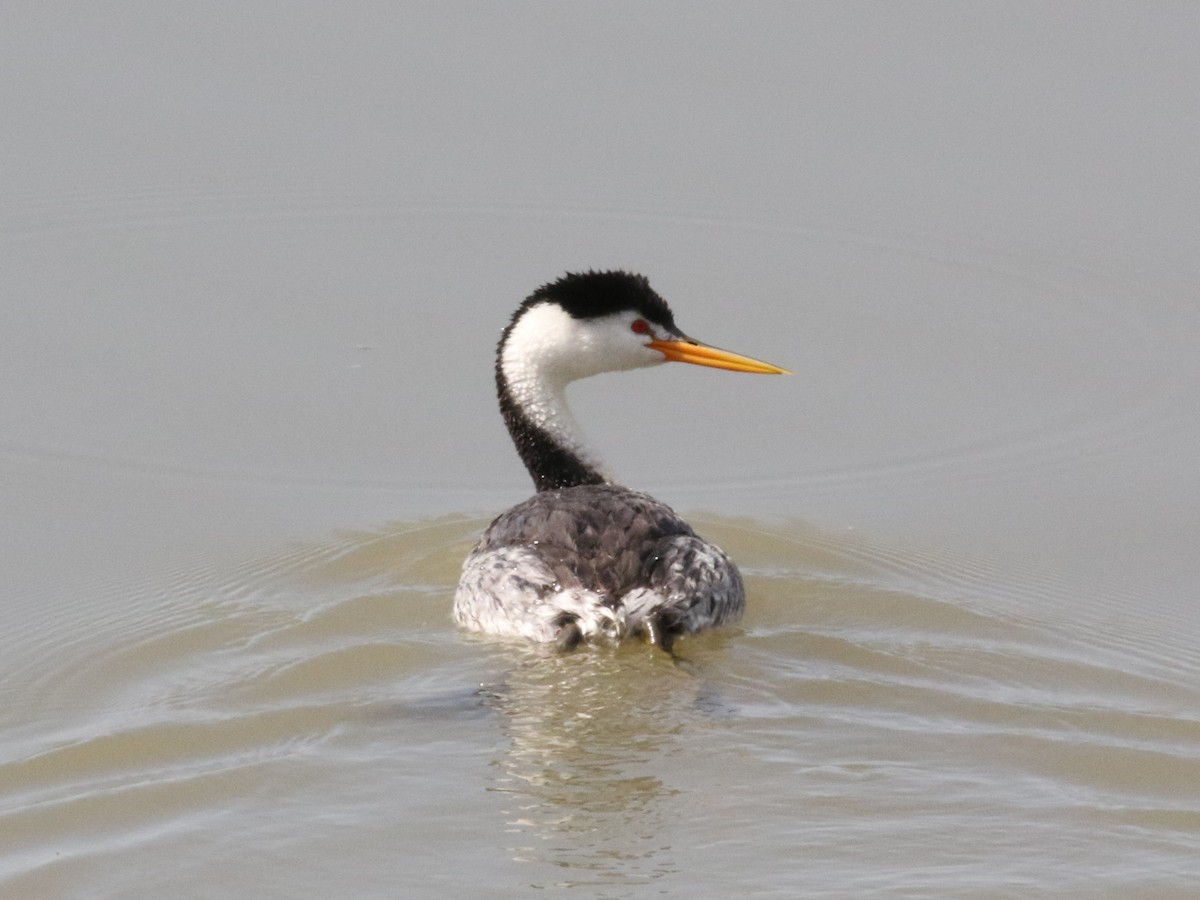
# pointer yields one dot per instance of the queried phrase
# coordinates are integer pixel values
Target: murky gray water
(253, 267)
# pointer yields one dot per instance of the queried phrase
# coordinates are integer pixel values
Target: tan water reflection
(318, 706)
(583, 777)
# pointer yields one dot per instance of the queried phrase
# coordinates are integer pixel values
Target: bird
(586, 559)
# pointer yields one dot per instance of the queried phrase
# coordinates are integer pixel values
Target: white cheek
(616, 346)
(564, 349)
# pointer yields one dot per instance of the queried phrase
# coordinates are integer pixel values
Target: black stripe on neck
(550, 465)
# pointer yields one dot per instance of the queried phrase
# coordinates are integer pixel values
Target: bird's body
(596, 561)
(584, 558)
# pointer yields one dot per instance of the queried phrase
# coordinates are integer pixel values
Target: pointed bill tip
(703, 355)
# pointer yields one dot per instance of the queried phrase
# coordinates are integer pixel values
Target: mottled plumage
(602, 558)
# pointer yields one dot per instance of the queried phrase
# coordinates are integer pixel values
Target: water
(880, 724)
(248, 437)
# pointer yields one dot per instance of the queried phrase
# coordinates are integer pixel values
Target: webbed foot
(659, 631)
(569, 636)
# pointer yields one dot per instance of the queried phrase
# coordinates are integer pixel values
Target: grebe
(585, 558)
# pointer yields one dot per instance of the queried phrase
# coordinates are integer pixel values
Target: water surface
(311, 718)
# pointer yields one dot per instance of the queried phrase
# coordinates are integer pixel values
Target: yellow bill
(704, 355)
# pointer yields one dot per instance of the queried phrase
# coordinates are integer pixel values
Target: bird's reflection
(586, 782)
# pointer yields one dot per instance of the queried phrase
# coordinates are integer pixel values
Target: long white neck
(544, 401)
(542, 353)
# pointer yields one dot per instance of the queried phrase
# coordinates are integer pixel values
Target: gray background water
(254, 260)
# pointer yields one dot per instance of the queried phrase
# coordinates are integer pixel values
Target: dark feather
(597, 537)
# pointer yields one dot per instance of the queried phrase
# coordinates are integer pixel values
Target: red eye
(639, 326)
